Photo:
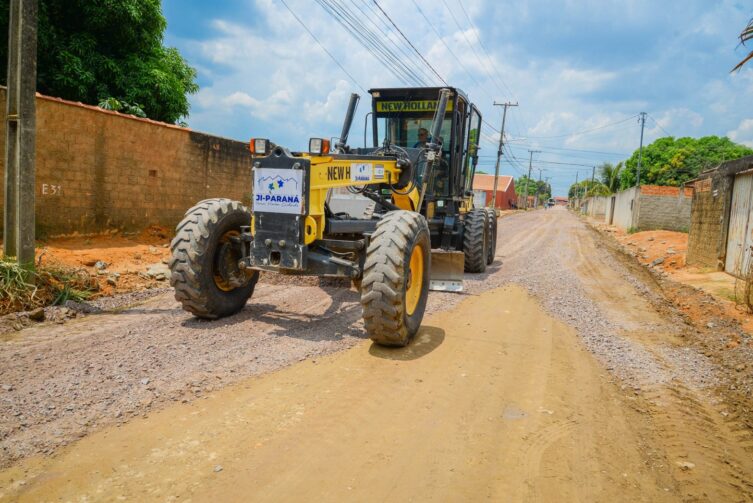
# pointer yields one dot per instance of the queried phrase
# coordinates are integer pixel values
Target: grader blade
(446, 271)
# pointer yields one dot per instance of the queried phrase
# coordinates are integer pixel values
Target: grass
(23, 290)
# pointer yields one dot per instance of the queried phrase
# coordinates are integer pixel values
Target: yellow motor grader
(422, 233)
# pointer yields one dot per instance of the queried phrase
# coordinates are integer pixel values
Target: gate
(739, 238)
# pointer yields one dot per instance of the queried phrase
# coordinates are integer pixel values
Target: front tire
(475, 242)
(204, 264)
(396, 275)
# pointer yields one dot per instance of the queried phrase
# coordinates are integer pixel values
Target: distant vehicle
(551, 202)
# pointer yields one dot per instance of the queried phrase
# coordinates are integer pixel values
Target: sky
(580, 70)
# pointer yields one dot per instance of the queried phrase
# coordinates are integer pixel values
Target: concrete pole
(530, 165)
(538, 190)
(20, 154)
(640, 151)
(499, 149)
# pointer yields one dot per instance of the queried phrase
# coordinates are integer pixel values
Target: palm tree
(610, 175)
(745, 36)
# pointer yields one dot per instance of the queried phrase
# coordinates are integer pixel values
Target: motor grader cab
(423, 231)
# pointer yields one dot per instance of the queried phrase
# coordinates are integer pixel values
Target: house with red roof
(483, 189)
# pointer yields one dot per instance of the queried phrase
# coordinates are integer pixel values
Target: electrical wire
(371, 14)
(351, 77)
(585, 131)
(659, 125)
(369, 41)
(410, 43)
(376, 38)
(441, 39)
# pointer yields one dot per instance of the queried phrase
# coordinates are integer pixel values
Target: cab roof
(431, 93)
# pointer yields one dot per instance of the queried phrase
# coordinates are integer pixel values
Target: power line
(659, 125)
(370, 41)
(441, 39)
(577, 133)
(409, 42)
(476, 31)
(549, 147)
(473, 48)
(352, 78)
(371, 13)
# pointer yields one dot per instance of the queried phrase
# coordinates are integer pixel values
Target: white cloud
(744, 133)
(273, 78)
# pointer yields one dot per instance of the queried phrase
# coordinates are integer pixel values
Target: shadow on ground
(426, 340)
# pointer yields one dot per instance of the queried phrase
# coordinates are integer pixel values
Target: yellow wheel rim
(415, 279)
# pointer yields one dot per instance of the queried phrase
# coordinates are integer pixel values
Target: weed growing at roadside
(22, 290)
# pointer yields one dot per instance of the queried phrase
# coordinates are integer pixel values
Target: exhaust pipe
(342, 143)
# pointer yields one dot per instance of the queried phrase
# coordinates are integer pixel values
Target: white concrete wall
(594, 207)
(625, 204)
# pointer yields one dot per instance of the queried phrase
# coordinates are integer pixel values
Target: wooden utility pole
(20, 136)
(499, 150)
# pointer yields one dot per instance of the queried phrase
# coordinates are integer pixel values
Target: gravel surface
(60, 381)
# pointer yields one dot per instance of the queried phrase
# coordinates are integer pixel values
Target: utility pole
(593, 176)
(640, 151)
(18, 224)
(530, 165)
(577, 173)
(538, 190)
(505, 106)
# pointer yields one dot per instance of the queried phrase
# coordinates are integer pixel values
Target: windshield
(411, 132)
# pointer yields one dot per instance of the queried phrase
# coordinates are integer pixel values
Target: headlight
(259, 146)
(318, 146)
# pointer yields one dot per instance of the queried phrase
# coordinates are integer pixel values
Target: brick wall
(99, 170)
(661, 190)
(665, 208)
(710, 214)
(707, 224)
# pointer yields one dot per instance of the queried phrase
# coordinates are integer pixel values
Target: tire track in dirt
(474, 410)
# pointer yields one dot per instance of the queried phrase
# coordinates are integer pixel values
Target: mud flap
(446, 271)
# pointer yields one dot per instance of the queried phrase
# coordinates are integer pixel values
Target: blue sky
(581, 71)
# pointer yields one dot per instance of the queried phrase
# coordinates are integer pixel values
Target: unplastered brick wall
(707, 222)
(661, 190)
(664, 208)
(710, 216)
(98, 170)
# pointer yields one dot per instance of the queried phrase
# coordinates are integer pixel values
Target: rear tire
(396, 275)
(492, 235)
(475, 242)
(203, 266)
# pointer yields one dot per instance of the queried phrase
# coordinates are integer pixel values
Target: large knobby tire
(396, 275)
(475, 241)
(492, 235)
(204, 263)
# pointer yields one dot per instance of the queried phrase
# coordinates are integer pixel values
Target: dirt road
(559, 376)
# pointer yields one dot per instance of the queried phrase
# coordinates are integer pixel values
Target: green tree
(670, 161)
(96, 50)
(544, 189)
(610, 175)
(586, 188)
